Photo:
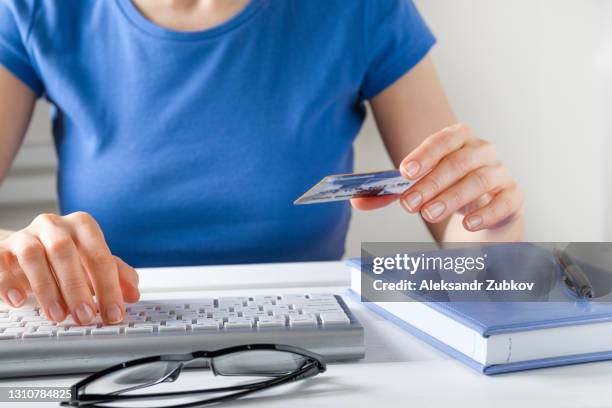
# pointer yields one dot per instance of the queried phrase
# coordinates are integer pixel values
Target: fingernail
(114, 314)
(412, 169)
(56, 312)
(474, 222)
(413, 200)
(15, 297)
(84, 313)
(435, 210)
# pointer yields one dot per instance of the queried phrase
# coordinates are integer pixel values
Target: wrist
(5, 234)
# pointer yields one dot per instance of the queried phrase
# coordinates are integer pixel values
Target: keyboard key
(85, 327)
(171, 309)
(303, 321)
(201, 306)
(291, 312)
(232, 301)
(10, 324)
(139, 330)
(106, 331)
(178, 322)
(153, 325)
(322, 301)
(271, 322)
(335, 319)
(218, 322)
(39, 324)
(141, 308)
(140, 319)
(155, 317)
(319, 310)
(34, 319)
(254, 313)
(206, 326)
(17, 330)
(270, 308)
(52, 329)
(10, 336)
(293, 296)
(265, 298)
(23, 312)
(205, 302)
(233, 324)
(188, 314)
(321, 296)
(224, 316)
(177, 328)
(74, 331)
(38, 334)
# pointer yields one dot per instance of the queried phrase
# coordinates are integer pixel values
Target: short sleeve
(396, 39)
(15, 23)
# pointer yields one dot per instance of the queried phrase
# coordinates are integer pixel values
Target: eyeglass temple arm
(309, 370)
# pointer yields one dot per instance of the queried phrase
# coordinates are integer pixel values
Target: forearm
(462, 191)
(16, 106)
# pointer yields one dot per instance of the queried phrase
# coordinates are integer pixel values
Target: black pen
(575, 277)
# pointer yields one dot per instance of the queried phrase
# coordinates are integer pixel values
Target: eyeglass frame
(315, 365)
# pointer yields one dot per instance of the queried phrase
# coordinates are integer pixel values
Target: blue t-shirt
(190, 147)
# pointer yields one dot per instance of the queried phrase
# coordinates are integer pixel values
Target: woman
(186, 128)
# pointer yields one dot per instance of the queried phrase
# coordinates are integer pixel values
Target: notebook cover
(487, 370)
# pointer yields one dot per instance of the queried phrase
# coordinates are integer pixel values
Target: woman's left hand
(458, 173)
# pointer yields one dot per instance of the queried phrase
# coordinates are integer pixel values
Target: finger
(64, 258)
(20, 276)
(450, 170)
(10, 288)
(373, 203)
(433, 149)
(31, 257)
(470, 188)
(100, 264)
(128, 277)
(501, 209)
(476, 204)
(89, 282)
(16, 270)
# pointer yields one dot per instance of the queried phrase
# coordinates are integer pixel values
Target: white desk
(398, 371)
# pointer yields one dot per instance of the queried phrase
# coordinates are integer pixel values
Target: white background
(533, 76)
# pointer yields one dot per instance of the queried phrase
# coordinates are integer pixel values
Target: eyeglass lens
(269, 363)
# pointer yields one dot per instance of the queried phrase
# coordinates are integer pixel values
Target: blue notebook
(500, 337)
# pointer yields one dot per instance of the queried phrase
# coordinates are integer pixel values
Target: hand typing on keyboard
(64, 261)
(322, 323)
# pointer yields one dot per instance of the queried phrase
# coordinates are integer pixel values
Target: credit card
(340, 187)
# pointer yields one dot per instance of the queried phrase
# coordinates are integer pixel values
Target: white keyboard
(32, 345)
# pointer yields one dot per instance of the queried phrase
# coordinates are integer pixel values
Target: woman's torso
(189, 148)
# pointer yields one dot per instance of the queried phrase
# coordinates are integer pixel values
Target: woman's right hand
(64, 261)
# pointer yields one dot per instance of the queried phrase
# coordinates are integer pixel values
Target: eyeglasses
(282, 364)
